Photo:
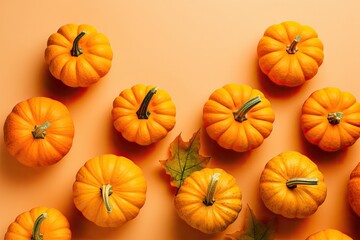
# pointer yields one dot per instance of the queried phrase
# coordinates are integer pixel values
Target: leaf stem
(76, 49)
(106, 191)
(143, 112)
(240, 115)
(292, 48)
(334, 117)
(209, 198)
(36, 235)
(40, 130)
(293, 182)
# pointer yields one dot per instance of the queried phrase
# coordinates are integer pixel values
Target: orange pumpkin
(209, 200)
(39, 223)
(78, 55)
(143, 114)
(354, 189)
(330, 119)
(109, 190)
(238, 117)
(292, 185)
(290, 53)
(329, 234)
(39, 131)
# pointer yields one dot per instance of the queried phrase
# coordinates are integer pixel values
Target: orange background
(188, 48)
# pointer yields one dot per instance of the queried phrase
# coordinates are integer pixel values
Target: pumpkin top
(39, 131)
(331, 119)
(290, 53)
(109, 190)
(238, 117)
(209, 200)
(78, 55)
(39, 223)
(295, 181)
(329, 234)
(143, 114)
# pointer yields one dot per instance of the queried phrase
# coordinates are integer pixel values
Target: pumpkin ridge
(54, 63)
(67, 65)
(91, 51)
(278, 62)
(54, 40)
(120, 201)
(95, 174)
(63, 31)
(24, 233)
(31, 115)
(97, 69)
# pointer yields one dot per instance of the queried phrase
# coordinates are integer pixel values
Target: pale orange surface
(189, 48)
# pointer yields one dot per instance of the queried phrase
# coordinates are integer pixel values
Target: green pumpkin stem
(240, 115)
(36, 234)
(106, 191)
(40, 130)
(76, 49)
(335, 117)
(209, 198)
(143, 112)
(292, 48)
(293, 182)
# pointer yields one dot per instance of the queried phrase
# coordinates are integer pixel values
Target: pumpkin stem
(106, 191)
(209, 198)
(240, 115)
(76, 49)
(293, 182)
(40, 130)
(292, 48)
(36, 235)
(143, 112)
(335, 117)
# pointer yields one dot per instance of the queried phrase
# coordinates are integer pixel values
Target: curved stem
(291, 49)
(240, 114)
(106, 191)
(36, 234)
(209, 198)
(293, 182)
(335, 117)
(143, 112)
(40, 130)
(76, 49)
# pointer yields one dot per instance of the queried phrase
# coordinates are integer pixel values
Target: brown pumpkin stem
(335, 117)
(143, 112)
(209, 198)
(106, 191)
(240, 115)
(292, 48)
(36, 234)
(293, 182)
(76, 49)
(40, 130)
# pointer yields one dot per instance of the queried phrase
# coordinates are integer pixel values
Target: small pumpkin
(78, 55)
(109, 190)
(143, 114)
(238, 117)
(209, 200)
(330, 119)
(292, 185)
(39, 223)
(39, 131)
(354, 189)
(290, 53)
(328, 234)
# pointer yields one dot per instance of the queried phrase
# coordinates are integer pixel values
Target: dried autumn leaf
(184, 159)
(253, 229)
